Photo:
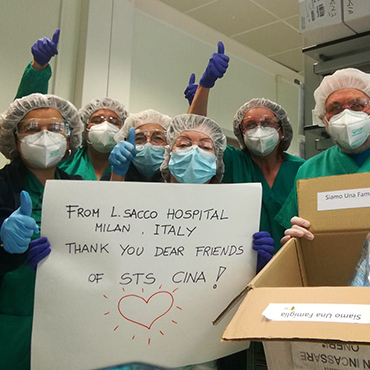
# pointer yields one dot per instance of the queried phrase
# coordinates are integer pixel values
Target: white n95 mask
(44, 149)
(101, 137)
(349, 129)
(261, 140)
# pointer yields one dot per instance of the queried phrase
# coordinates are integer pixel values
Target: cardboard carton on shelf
(356, 15)
(314, 273)
(322, 21)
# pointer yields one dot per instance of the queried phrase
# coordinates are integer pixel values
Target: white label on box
(333, 356)
(343, 199)
(315, 9)
(343, 313)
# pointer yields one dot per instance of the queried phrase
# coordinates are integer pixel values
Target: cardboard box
(312, 272)
(322, 21)
(356, 15)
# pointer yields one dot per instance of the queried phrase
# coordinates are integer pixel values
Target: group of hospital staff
(45, 137)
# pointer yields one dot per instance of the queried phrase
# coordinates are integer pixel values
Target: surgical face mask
(261, 140)
(349, 129)
(101, 137)
(148, 159)
(44, 149)
(192, 165)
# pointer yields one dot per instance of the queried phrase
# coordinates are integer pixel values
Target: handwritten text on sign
(139, 271)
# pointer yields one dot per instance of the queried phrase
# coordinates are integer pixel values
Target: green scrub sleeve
(34, 81)
(288, 210)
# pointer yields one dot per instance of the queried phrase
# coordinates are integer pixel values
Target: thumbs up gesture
(123, 153)
(216, 67)
(17, 230)
(191, 89)
(44, 49)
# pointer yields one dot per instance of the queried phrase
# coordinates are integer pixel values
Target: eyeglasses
(97, 120)
(183, 142)
(354, 104)
(250, 123)
(155, 137)
(34, 125)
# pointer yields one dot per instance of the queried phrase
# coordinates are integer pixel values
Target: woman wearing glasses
(102, 119)
(139, 158)
(264, 133)
(36, 132)
(195, 150)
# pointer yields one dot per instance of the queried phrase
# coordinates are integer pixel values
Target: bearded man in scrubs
(342, 104)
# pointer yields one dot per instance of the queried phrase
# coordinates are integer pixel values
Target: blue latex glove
(39, 249)
(264, 245)
(191, 89)
(216, 68)
(44, 49)
(17, 230)
(123, 153)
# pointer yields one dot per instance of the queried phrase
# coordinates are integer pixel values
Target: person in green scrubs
(264, 133)
(36, 76)
(36, 132)
(343, 105)
(194, 156)
(102, 119)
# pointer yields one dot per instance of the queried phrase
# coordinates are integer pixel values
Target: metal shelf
(352, 51)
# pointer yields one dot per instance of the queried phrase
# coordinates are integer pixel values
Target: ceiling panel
(272, 39)
(293, 21)
(281, 8)
(270, 27)
(232, 17)
(185, 5)
(292, 59)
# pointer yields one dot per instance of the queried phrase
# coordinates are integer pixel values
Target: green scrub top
(240, 168)
(34, 81)
(81, 165)
(17, 298)
(331, 162)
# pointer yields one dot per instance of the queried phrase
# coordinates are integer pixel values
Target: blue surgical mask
(192, 165)
(148, 159)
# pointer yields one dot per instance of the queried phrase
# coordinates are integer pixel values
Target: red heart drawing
(156, 306)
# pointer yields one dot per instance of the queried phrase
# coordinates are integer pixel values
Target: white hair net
(137, 119)
(20, 107)
(102, 103)
(193, 122)
(348, 78)
(275, 108)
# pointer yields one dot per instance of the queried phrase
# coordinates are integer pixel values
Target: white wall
(141, 52)
(21, 24)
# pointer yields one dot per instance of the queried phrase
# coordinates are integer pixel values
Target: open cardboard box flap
(311, 271)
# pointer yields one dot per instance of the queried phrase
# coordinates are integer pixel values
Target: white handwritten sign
(343, 199)
(343, 313)
(324, 356)
(138, 272)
